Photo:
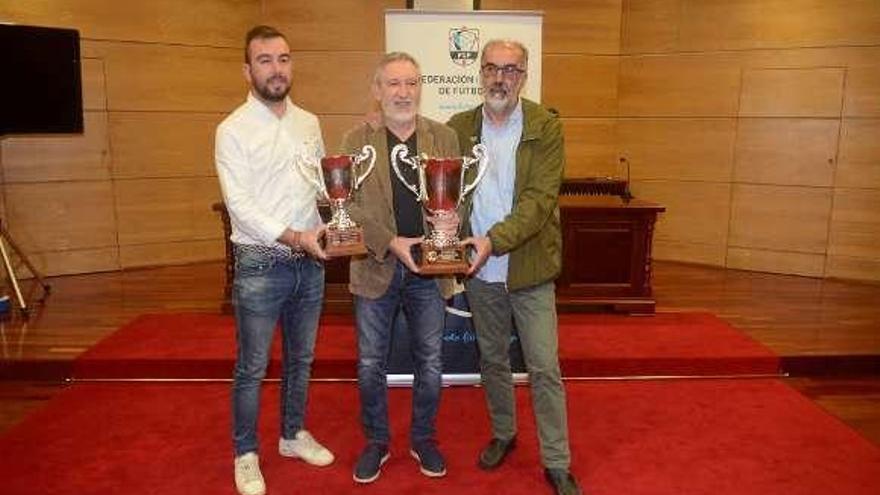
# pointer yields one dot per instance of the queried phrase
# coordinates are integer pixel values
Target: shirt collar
(258, 106)
(515, 118)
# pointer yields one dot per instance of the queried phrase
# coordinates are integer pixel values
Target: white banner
(447, 46)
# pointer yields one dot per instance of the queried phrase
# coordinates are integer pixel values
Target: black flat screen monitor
(41, 88)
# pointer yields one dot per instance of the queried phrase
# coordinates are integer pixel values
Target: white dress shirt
(254, 152)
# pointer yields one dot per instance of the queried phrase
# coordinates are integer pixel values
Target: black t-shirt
(407, 209)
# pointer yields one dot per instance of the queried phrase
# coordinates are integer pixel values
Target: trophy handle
(366, 151)
(480, 155)
(399, 152)
(312, 173)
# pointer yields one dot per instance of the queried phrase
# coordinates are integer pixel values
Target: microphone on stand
(627, 194)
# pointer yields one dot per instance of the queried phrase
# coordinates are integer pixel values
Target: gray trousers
(534, 312)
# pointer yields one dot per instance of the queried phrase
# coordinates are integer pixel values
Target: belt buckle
(288, 253)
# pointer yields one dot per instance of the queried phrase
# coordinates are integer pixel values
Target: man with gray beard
(513, 220)
(389, 278)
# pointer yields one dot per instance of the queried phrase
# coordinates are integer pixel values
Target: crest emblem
(464, 45)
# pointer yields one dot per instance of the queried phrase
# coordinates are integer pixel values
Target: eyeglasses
(510, 71)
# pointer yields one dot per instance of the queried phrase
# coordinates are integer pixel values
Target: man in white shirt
(276, 229)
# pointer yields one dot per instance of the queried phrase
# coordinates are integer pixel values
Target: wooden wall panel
(163, 144)
(859, 159)
(69, 262)
(853, 268)
(781, 218)
(334, 127)
(696, 212)
(855, 224)
(94, 91)
(160, 80)
(650, 26)
(809, 92)
(717, 25)
(167, 210)
(763, 260)
(339, 25)
(324, 91)
(172, 253)
(589, 148)
(786, 151)
(142, 77)
(580, 86)
(863, 92)
(678, 149)
(54, 216)
(846, 57)
(195, 22)
(60, 156)
(689, 252)
(679, 86)
(748, 24)
(573, 26)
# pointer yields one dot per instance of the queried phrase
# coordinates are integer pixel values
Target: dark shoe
(369, 464)
(493, 455)
(430, 459)
(563, 482)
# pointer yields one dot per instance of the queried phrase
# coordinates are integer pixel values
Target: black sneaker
(430, 459)
(563, 482)
(493, 455)
(369, 464)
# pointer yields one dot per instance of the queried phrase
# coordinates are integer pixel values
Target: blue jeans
(424, 309)
(268, 289)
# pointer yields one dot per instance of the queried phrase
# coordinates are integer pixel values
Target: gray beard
(497, 105)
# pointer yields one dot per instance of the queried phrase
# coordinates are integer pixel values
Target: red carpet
(664, 344)
(719, 437)
(203, 346)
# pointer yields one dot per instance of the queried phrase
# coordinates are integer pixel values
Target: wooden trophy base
(443, 261)
(348, 242)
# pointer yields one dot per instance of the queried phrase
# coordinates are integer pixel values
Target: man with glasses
(513, 220)
(279, 274)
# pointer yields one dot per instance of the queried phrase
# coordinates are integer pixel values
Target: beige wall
(136, 188)
(755, 122)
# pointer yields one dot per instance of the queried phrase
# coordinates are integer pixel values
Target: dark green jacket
(531, 233)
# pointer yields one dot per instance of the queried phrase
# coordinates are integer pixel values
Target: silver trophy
(440, 188)
(336, 179)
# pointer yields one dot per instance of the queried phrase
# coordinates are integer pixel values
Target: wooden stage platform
(827, 332)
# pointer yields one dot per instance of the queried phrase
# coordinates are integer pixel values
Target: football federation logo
(464, 45)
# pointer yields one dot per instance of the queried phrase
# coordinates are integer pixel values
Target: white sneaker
(306, 448)
(248, 478)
